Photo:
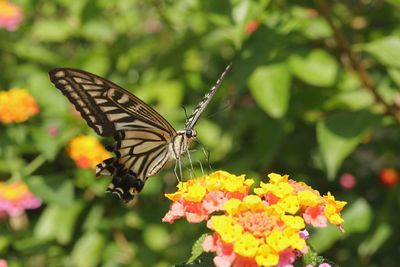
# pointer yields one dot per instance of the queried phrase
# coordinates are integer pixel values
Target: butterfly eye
(190, 133)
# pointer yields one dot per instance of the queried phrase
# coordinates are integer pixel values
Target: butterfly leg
(207, 154)
(201, 167)
(176, 170)
(180, 169)
(190, 161)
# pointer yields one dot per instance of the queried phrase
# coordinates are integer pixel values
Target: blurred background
(313, 93)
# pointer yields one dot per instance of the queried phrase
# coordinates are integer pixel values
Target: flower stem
(34, 165)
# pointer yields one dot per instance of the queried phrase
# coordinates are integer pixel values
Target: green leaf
(87, 251)
(47, 226)
(270, 88)
(376, 239)
(49, 145)
(52, 103)
(357, 219)
(197, 248)
(204, 260)
(66, 221)
(316, 28)
(394, 2)
(339, 134)
(93, 218)
(4, 242)
(256, 51)
(318, 68)
(240, 11)
(98, 30)
(156, 237)
(36, 53)
(96, 61)
(387, 91)
(312, 258)
(52, 190)
(357, 216)
(66, 193)
(351, 100)
(168, 93)
(58, 222)
(213, 137)
(386, 50)
(85, 178)
(395, 75)
(52, 30)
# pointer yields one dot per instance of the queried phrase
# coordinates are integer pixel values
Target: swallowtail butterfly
(144, 140)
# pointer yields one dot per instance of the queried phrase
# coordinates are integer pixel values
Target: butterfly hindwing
(139, 154)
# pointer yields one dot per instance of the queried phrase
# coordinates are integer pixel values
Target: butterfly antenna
(184, 110)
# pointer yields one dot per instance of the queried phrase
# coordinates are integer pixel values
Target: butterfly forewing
(105, 106)
(192, 120)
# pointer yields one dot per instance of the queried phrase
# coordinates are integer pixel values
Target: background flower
(17, 105)
(86, 151)
(15, 198)
(10, 15)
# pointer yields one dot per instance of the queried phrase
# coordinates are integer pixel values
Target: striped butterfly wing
(141, 134)
(105, 106)
(194, 117)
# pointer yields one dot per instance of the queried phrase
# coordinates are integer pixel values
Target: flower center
(258, 223)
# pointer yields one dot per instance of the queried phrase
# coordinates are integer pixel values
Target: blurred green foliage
(295, 102)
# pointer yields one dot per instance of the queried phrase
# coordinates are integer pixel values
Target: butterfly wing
(105, 106)
(194, 117)
(142, 135)
(138, 154)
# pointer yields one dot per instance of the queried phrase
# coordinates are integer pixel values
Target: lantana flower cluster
(262, 229)
(197, 199)
(17, 105)
(87, 151)
(10, 15)
(15, 198)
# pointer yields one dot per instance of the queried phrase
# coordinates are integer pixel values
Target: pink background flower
(10, 15)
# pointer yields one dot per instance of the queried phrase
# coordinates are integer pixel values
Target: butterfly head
(190, 133)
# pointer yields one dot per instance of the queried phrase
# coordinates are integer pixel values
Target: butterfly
(144, 140)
